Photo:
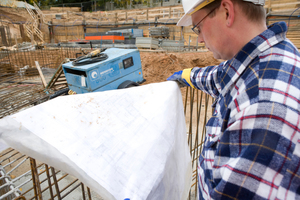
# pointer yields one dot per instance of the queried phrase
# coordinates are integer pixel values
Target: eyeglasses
(195, 28)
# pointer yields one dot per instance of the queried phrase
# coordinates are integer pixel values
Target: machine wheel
(127, 84)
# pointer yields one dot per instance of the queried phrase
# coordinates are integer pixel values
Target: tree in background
(90, 5)
(131, 3)
(54, 2)
(43, 2)
(122, 3)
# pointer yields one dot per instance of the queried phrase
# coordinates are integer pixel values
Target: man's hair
(255, 13)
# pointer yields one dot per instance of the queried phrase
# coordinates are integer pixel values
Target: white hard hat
(190, 6)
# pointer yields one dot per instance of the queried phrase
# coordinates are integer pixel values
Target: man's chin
(216, 56)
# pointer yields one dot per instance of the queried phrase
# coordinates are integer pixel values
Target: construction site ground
(157, 66)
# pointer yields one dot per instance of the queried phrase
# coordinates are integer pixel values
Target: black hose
(59, 93)
(83, 60)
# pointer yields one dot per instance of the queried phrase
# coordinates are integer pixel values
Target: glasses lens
(196, 30)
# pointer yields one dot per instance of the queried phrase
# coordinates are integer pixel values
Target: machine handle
(93, 53)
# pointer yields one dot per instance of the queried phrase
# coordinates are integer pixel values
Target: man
(252, 145)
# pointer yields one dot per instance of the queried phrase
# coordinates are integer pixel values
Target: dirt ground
(157, 66)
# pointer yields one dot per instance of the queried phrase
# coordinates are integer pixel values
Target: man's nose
(200, 38)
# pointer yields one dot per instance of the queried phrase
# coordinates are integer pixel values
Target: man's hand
(182, 77)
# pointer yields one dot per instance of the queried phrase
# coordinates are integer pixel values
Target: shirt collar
(234, 68)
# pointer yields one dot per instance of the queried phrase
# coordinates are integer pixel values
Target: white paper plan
(128, 143)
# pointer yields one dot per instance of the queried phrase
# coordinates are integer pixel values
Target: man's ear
(228, 7)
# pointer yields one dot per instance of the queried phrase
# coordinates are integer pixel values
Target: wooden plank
(22, 33)
(3, 36)
(282, 5)
(74, 9)
(41, 73)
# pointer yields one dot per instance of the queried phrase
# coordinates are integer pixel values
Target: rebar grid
(197, 109)
(20, 82)
(28, 179)
(15, 61)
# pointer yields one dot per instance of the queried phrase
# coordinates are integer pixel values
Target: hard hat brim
(185, 20)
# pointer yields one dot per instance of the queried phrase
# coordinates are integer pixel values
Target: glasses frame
(195, 29)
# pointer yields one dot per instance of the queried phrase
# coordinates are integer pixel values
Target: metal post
(49, 181)
(89, 193)
(82, 189)
(35, 179)
(84, 27)
(181, 33)
(55, 183)
(51, 32)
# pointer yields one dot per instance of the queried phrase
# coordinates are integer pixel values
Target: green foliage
(122, 3)
(126, 3)
(43, 2)
(88, 5)
(30, 1)
(54, 2)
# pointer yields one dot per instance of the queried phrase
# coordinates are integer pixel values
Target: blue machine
(121, 69)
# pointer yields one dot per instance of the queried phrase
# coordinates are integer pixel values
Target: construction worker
(252, 144)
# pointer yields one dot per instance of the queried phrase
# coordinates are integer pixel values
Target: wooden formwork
(285, 10)
(62, 9)
(281, 6)
(165, 15)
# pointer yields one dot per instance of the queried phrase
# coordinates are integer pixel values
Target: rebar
(20, 83)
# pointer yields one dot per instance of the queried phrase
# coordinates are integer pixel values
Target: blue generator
(111, 69)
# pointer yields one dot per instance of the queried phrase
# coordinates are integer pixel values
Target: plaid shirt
(252, 145)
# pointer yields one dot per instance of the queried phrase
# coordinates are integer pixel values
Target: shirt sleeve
(205, 79)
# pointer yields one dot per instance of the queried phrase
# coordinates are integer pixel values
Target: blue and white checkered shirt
(252, 145)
